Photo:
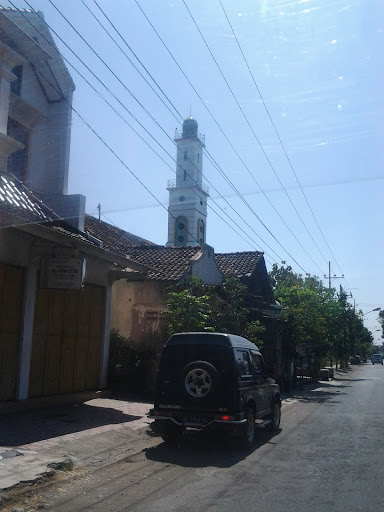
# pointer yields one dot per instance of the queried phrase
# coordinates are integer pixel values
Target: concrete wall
(137, 308)
(204, 267)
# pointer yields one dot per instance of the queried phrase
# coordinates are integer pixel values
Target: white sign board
(65, 273)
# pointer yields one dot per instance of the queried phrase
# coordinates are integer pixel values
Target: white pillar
(27, 332)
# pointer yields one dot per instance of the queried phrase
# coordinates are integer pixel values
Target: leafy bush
(130, 369)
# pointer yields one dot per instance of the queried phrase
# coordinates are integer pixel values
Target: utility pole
(354, 302)
(99, 208)
(332, 277)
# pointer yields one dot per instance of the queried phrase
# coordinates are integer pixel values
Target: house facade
(138, 306)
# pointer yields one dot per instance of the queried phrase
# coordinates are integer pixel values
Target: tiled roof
(20, 205)
(165, 263)
(114, 239)
(238, 264)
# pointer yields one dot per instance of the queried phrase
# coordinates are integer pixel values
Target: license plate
(195, 420)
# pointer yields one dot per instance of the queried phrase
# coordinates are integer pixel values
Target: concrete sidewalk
(84, 430)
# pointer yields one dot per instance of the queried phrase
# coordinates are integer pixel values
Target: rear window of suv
(243, 363)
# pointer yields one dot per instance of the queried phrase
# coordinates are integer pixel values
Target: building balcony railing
(172, 184)
(179, 135)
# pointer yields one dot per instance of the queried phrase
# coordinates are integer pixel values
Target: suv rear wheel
(248, 432)
(275, 417)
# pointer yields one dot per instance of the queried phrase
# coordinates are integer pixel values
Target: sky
(289, 95)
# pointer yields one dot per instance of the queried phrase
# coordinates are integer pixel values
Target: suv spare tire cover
(199, 378)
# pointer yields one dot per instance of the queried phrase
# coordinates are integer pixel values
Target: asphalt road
(327, 456)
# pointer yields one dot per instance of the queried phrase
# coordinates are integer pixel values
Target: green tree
(194, 306)
(228, 306)
(317, 323)
(187, 312)
(254, 332)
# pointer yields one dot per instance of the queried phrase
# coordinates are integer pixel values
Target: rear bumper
(188, 419)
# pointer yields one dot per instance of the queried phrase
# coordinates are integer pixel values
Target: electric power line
(135, 67)
(278, 136)
(252, 130)
(224, 134)
(87, 67)
(156, 122)
(115, 154)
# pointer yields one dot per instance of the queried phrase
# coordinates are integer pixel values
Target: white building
(187, 211)
(35, 111)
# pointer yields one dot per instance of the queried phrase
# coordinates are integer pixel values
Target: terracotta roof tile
(238, 264)
(114, 239)
(165, 263)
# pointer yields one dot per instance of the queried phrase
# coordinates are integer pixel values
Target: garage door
(67, 340)
(11, 297)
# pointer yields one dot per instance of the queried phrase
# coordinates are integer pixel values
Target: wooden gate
(11, 298)
(67, 340)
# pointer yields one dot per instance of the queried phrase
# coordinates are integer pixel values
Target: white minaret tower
(187, 211)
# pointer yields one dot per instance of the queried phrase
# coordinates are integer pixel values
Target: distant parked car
(377, 358)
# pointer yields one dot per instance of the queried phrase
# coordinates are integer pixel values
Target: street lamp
(376, 309)
(369, 334)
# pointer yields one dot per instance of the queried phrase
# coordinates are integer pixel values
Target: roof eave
(44, 232)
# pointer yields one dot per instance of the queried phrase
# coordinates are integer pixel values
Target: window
(243, 363)
(257, 362)
(181, 229)
(185, 155)
(200, 231)
(16, 84)
(17, 161)
(198, 157)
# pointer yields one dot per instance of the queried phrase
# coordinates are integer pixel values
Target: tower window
(185, 174)
(185, 155)
(198, 157)
(201, 231)
(181, 229)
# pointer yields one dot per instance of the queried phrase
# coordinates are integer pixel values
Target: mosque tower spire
(187, 210)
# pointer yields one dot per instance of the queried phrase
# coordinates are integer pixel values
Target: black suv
(213, 381)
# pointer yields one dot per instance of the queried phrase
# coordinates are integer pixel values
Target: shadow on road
(24, 427)
(319, 392)
(200, 449)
